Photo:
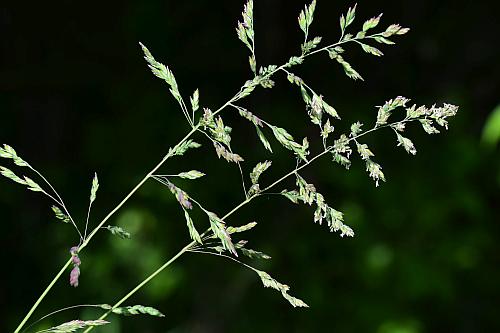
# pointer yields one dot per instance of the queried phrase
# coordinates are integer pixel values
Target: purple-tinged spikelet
(73, 276)
(75, 272)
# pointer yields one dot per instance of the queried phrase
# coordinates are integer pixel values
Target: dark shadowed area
(76, 97)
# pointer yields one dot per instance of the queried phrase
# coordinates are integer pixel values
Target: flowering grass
(213, 235)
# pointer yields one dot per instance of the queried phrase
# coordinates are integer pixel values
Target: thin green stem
(59, 200)
(61, 310)
(170, 261)
(328, 150)
(144, 282)
(167, 183)
(340, 42)
(87, 221)
(42, 296)
(127, 197)
(245, 193)
(190, 121)
(190, 246)
(231, 151)
(302, 83)
(98, 227)
(325, 48)
(240, 108)
(185, 111)
(110, 214)
(160, 180)
(223, 256)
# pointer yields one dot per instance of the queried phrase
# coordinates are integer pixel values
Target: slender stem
(189, 247)
(110, 214)
(87, 221)
(98, 227)
(59, 200)
(212, 243)
(185, 111)
(302, 83)
(223, 256)
(245, 193)
(253, 50)
(325, 48)
(87, 240)
(199, 205)
(52, 197)
(63, 309)
(239, 108)
(167, 183)
(329, 149)
(235, 98)
(54, 280)
(243, 203)
(357, 42)
(160, 180)
(231, 151)
(320, 125)
(170, 261)
(144, 282)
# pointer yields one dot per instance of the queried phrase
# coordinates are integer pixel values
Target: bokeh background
(76, 97)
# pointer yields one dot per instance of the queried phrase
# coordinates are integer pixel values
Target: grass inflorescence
(213, 235)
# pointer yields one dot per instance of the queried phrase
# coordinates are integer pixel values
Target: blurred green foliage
(76, 97)
(491, 131)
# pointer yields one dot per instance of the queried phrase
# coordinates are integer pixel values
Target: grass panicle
(217, 238)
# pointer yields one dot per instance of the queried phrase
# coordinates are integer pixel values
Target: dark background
(76, 97)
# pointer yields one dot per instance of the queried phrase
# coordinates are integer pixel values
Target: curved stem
(245, 193)
(231, 151)
(329, 150)
(59, 200)
(223, 256)
(189, 247)
(87, 221)
(193, 243)
(150, 173)
(99, 226)
(61, 310)
(170, 261)
(42, 296)
(110, 214)
(96, 229)
(144, 282)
